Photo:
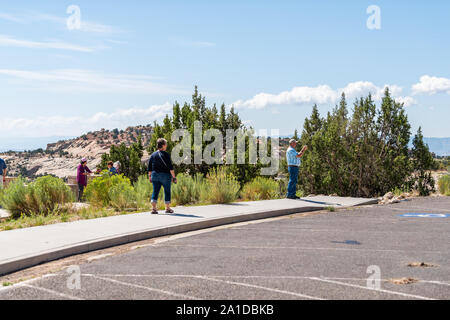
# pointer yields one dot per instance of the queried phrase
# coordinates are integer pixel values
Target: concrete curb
(24, 262)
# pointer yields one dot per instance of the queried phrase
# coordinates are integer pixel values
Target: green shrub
(143, 189)
(188, 189)
(444, 185)
(16, 198)
(98, 190)
(122, 195)
(199, 185)
(424, 183)
(50, 192)
(44, 196)
(220, 187)
(2, 192)
(261, 188)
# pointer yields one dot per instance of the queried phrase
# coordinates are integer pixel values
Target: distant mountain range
(60, 157)
(440, 146)
(25, 144)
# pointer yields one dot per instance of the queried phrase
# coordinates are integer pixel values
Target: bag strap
(159, 153)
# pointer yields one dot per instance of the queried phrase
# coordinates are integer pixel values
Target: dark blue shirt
(2, 166)
(113, 171)
(160, 162)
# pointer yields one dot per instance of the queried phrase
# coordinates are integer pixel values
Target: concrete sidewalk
(24, 248)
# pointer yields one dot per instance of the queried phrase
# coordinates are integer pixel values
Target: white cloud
(10, 17)
(322, 94)
(75, 125)
(298, 95)
(431, 85)
(8, 41)
(407, 101)
(76, 80)
(362, 88)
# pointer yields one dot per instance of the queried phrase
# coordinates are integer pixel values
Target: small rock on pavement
(389, 198)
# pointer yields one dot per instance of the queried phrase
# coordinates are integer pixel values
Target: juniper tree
(394, 137)
(362, 155)
(210, 117)
(311, 169)
(129, 157)
(422, 163)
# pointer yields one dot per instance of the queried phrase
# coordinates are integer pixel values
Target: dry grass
(39, 220)
(403, 281)
(421, 265)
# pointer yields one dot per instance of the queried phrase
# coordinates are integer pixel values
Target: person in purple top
(3, 168)
(82, 172)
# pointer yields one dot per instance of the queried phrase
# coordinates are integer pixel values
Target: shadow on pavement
(321, 202)
(183, 215)
(352, 242)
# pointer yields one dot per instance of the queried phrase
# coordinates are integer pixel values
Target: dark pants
(162, 179)
(80, 192)
(293, 178)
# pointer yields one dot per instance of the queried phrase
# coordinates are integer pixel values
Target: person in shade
(3, 168)
(111, 169)
(293, 161)
(161, 175)
(82, 172)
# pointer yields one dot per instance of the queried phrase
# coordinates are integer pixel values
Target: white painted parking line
(144, 287)
(261, 288)
(209, 278)
(220, 278)
(377, 290)
(438, 282)
(444, 283)
(63, 295)
(23, 283)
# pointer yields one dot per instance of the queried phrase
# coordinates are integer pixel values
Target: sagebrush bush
(444, 185)
(51, 191)
(122, 196)
(14, 197)
(44, 196)
(2, 191)
(261, 188)
(220, 187)
(97, 191)
(143, 189)
(188, 189)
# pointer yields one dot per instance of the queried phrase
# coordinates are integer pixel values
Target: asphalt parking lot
(319, 256)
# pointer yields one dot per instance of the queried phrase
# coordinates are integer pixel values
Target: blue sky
(271, 59)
